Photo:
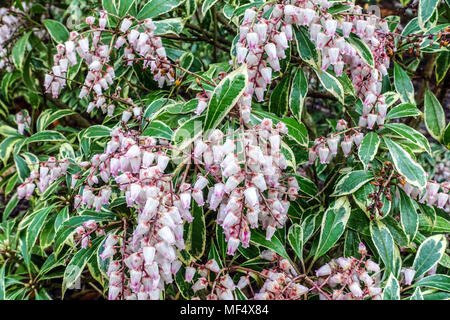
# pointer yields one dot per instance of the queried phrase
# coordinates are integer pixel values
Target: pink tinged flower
(126, 24)
(233, 244)
(275, 142)
(77, 201)
(149, 254)
(432, 188)
(252, 41)
(281, 40)
(126, 115)
(213, 266)
(380, 120)
(361, 27)
(185, 198)
(249, 15)
(113, 292)
(200, 148)
(230, 220)
(322, 40)
(202, 104)
(108, 252)
(324, 151)
(21, 191)
(261, 31)
(98, 203)
(197, 195)
(333, 144)
(241, 54)
(362, 122)
(162, 162)
(371, 119)
(333, 54)
(409, 275)
(259, 181)
(271, 51)
(312, 155)
(275, 64)
(259, 92)
(346, 28)
(324, 270)
(308, 16)
(150, 207)
(189, 275)
(355, 288)
(133, 36)
(266, 73)
(200, 284)
(251, 197)
(372, 266)
(314, 31)
(346, 146)
(201, 183)
(84, 45)
(330, 27)
(166, 235)
(270, 231)
(370, 99)
(442, 199)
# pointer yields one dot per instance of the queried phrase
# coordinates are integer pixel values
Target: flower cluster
(83, 233)
(96, 54)
(350, 278)
(250, 186)
(221, 288)
(281, 280)
(23, 122)
(434, 193)
(137, 166)
(49, 171)
(11, 24)
(327, 148)
(263, 41)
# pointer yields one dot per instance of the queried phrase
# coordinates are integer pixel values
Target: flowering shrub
(182, 149)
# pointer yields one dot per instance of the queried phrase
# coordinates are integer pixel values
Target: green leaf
(124, 7)
(434, 115)
(333, 225)
(403, 84)
(406, 166)
(361, 47)
(18, 52)
(154, 8)
(47, 117)
(410, 134)
(426, 10)
(351, 244)
(299, 90)
(446, 137)
(259, 238)
(158, 129)
(57, 30)
(196, 233)
(36, 226)
(417, 295)
(409, 218)
(442, 65)
(207, 4)
(351, 182)
(2, 282)
(46, 135)
(306, 49)
(174, 26)
(435, 281)
(368, 148)
(97, 131)
(403, 110)
(428, 254)
(295, 238)
(331, 84)
(76, 265)
(22, 168)
(384, 243)
(279, 99)
(12, 203)
(225, 96)
(392, 289)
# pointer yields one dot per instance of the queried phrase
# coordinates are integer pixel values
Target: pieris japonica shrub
(187, 149)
